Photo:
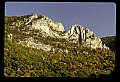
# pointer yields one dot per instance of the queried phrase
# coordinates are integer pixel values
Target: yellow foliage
(104, 64)
(55, 61)
(75, 71)
(27, 74)
(85, 63)
(23, 56)
(91, 64)
(13, 73)
(5, 49)
(5, 75)
(80, 64)
(71, 72)
(59, 58)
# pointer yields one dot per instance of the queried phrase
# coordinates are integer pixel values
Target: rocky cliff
(36, 29)
(83, 36)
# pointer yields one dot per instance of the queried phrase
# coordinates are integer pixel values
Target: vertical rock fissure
(79, 37)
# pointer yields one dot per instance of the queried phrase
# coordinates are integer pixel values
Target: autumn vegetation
(21, 61)
(110, 41)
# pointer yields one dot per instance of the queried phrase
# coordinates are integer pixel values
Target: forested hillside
(27, 62)
(23, 61)
(110, 41)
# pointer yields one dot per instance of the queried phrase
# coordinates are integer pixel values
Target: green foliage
(21, 61)
(110, 41)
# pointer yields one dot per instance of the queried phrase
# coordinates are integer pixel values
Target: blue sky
(98, 17)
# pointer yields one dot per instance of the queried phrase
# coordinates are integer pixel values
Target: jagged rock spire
(76, 34)
(85, 37)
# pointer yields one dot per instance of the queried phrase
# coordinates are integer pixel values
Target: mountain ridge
(47, 27)
(59, 53)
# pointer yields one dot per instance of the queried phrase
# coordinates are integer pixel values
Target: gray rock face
(84, 37)
(57, 26)
(44, 23)
(30, 43)
(76, 34)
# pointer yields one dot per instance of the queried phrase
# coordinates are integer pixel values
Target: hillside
(36, 46)
(110, 41)
(20, 61)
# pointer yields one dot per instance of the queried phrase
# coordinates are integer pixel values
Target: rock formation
(43, 22)
(84, 37)
(76, 34)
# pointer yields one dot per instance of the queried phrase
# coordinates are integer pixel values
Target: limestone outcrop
(29, 42)
(83, 36)
(76, 34)
(43, 22)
